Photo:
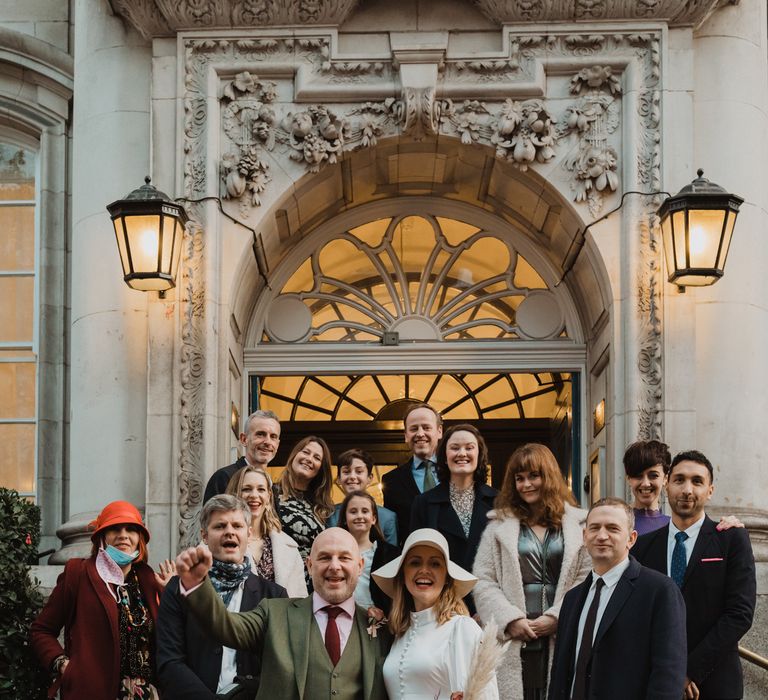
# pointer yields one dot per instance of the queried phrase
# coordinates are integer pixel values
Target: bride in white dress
(434, 636)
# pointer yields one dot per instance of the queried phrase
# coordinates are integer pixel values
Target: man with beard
(190, 664)
(315, 647)
(715, 570)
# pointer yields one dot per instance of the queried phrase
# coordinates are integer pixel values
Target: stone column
(731, 317)
(108, 389)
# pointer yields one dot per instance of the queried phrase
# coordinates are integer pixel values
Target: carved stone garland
(192, 387)
(523, 132)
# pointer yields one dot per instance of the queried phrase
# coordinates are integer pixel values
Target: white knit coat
(499, 593)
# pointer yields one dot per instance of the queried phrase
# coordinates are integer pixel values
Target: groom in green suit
(310, 648)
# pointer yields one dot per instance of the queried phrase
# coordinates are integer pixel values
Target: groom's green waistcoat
(346, 679)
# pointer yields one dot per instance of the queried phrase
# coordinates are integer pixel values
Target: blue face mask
(120, 557)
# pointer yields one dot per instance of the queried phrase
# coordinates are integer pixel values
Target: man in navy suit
(715, 570)
(423, 430)
(620, 632)
(191, 665)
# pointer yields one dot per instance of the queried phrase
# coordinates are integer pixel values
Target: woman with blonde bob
(304, 494)
(273, 554)
(435, 639)
(530, 555)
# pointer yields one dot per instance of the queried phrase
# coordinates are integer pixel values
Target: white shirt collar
(692, 531)
(318, 603)
(612, 576)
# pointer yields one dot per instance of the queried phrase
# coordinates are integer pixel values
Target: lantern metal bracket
(577, 244)
(259, 253)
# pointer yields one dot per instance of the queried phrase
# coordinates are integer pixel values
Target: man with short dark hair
(620, 632)
(190, 665)
(715, 570)
(315, 647)
(423, 429)
(260, 438)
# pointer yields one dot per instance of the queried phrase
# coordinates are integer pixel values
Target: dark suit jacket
(384, 554)
(400, 490)
(188, 660)
(639, 650)
(220, 478)
(719, 590)
(433, 509)
(279, 631)
(82, 605)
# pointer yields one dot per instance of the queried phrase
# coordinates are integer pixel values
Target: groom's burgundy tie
(332, 639)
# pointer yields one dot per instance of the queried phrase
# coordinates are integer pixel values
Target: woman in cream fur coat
(532, 550)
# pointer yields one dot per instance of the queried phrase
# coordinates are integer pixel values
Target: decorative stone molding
(650, 355)
(676, 13)
(310, 112)
(192, 361)
(594, 163)
(156, 18)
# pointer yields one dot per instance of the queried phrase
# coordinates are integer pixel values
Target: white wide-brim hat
(463, 581)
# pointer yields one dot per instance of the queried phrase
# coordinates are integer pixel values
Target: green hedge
(20, 600)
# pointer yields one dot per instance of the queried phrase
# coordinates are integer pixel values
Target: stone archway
(564, 117)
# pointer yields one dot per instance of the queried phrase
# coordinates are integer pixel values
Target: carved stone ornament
(156, 18)
(577, 132)
(593, 162)
(192, 360)
(676, 13)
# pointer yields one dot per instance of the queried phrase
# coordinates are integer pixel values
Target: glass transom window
(423, 277)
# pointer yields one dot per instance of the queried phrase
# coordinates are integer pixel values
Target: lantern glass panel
(704, 229)
(666, 237)
(169, 235)
(729, 224)
(120, 235)
(143, 239)
(678, 235)
(178, 236)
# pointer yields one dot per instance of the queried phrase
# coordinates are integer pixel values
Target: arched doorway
(413, 299)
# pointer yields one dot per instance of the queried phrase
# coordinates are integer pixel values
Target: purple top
(649, 520)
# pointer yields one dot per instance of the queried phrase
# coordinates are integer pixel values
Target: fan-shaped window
(423, 277)
(467, 397)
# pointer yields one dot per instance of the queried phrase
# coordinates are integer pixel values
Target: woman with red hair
(107, 605)
(530, 554)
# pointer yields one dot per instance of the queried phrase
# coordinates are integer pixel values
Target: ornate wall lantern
(149, 227)
(696, 227)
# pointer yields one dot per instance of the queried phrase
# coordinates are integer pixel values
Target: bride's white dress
(432, 661)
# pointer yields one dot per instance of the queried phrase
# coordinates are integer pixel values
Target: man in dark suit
(715, 570)
(260, 438)
(620, 632)
(310, 648)
(423, 430)
(192, 666)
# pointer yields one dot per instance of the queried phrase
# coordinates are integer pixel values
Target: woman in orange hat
(107, 605)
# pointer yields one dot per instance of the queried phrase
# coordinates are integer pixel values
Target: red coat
(82, 605)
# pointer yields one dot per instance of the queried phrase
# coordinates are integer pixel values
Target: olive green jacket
(278, 632)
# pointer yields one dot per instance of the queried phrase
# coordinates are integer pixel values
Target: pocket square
(704, 561)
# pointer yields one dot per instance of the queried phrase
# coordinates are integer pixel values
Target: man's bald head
(335, 565)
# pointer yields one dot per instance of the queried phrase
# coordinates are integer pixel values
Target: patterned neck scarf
(226, 577)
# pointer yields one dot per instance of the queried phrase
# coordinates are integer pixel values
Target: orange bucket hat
(117, 513)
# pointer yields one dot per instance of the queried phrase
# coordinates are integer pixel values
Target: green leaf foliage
(20, 599)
